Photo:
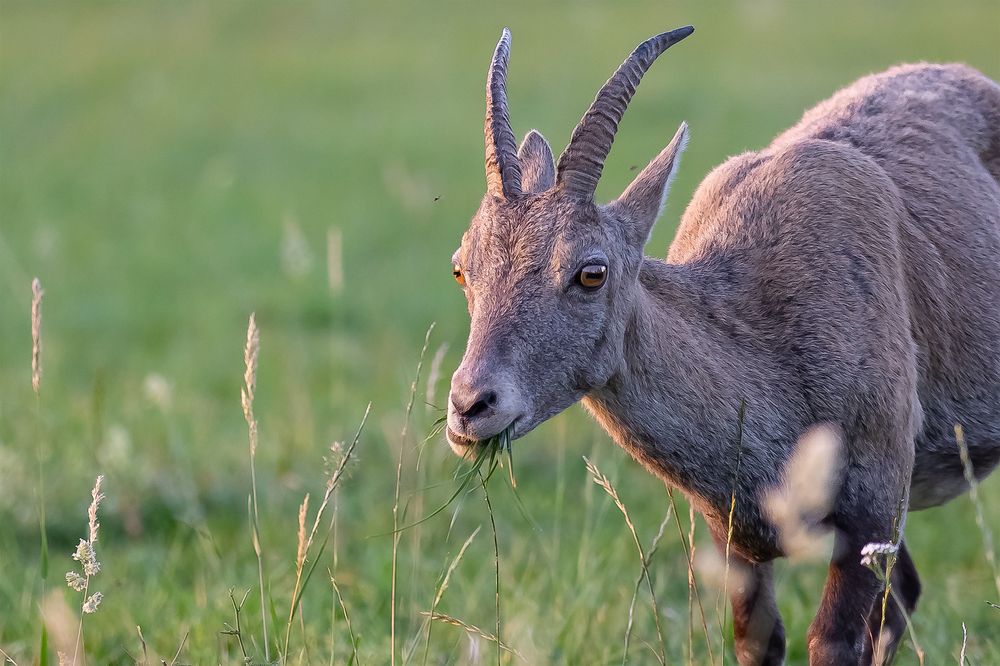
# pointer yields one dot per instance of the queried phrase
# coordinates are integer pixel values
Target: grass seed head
(250, 354)
(300, 556)
(76, 581)
(92, 602)
(95, 503)
(36, 334)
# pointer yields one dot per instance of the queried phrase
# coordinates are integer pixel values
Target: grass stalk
(496, 558)
(347, 619)
(741, 417)
(605, 483)
(180, 647)
(638, 581)
(910, 629)
(86, 555)
(300, 559)
(333, 482)
(395, 503)
(474, 630)
(897, 539)
(250, 354)
(692, 583)
(444, 586)
(36, 384)
(984, 529)
(237, 631)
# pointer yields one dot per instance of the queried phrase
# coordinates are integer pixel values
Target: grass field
(168, 168)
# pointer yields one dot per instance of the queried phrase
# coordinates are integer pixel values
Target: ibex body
(848, 274)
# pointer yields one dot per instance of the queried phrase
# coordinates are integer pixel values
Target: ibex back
(848, 275)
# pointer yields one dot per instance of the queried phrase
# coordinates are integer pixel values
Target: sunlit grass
(153, 155)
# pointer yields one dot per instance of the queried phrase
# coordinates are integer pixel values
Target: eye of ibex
(592, 276)
(457, 273)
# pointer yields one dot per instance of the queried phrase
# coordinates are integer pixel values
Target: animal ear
(643, 200)
(538, 168)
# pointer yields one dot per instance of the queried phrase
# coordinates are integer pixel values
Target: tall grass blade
(395, 504)
(496, 560)
(984, 529)
(36, 381)
(604, 482)
(692, 583)
(444, 586)
(741, 417)
(638, 582)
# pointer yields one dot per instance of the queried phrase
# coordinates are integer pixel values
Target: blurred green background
(167, 168)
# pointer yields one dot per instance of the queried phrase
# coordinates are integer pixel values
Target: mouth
(460, 440)
(465, 446)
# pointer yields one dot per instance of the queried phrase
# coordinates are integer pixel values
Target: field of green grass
(168, 168)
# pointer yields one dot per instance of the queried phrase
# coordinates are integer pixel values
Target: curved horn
(581, 163)
(503, 170)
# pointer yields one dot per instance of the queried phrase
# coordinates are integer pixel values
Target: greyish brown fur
(847, 274)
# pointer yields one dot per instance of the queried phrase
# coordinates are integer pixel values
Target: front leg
(837, 633)
(870, 510)
(758, 633)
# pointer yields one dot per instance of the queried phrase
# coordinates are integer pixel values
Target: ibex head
(549, 274)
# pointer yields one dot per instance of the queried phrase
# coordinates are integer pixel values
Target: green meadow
(168, 168)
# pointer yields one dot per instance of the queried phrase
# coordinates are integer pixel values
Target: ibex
(848, 274)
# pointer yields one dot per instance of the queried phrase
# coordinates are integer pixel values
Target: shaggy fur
(847, 274)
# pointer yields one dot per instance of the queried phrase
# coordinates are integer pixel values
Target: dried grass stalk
(473, 629)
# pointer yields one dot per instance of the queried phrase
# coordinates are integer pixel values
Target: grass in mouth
(485, 458)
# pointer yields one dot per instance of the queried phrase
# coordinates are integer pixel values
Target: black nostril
(482, 402)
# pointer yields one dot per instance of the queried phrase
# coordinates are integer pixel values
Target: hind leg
(905, 592)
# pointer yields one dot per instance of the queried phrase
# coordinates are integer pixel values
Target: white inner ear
(674, 165)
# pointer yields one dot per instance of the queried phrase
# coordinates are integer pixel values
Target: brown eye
(456, 271)
(592, 276)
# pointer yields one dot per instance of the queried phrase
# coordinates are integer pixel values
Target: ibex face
(549, 274)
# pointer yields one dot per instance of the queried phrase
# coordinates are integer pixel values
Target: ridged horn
(503, 170)
(580, 165)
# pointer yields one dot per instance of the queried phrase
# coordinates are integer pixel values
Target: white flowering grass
(90, 566)
(250, 354)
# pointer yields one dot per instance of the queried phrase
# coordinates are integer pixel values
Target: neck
(690, 364)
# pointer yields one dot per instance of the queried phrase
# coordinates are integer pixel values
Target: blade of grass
(970, 477)
(741, 417)
(496, 559)
(487, 453)
(36, 384)
(638, 582)
(347, 619)
(395, 504)
(605, 483)
(692, 583)
(332, 485)
(444, 586)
